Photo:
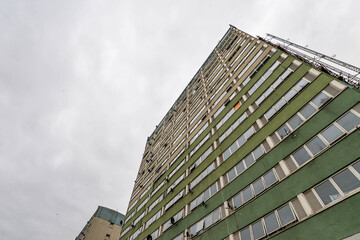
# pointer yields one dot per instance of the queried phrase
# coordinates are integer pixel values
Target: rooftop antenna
(344, 71)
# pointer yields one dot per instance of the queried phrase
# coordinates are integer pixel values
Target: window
(307, 111)
(177, 181)
(327, 192)
(332, 133)
(204, 196)
(247, 194)
(349, 121)
(286, 215)
(258, 230)
(258, 186)
(316, 145)
(320, 99)
(295, 121)
(301, 156)
(245, 234)
(271, 223)
(175, 199)
(202, 175)
(268, 224)
(153, 219)
(346, 181)
(206, 222)
(177, 217)
(286, 98)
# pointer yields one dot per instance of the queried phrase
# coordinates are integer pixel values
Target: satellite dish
(172, 220)
(149, 237)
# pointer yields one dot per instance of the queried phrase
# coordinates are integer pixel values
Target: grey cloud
(83, 83)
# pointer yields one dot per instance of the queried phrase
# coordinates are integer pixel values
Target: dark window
(346, 181)
(301, 156)
(327, 192)
(316, 145)
(307, 111)
(271, 223)
(286, 215)
(332, 133)
(349, 121)
(295, 121)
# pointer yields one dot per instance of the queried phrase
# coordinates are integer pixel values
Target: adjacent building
(264, 142)
(105, 224)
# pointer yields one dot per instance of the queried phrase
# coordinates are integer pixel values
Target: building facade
(262, 143)
(105, 224)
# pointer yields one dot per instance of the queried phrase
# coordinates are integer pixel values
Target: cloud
(83, 83)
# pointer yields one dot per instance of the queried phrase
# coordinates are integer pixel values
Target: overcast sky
(84, 83)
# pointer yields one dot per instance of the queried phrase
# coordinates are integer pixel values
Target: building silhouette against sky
(105, 224)
(263, 142)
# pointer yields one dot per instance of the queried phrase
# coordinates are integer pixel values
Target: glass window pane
(210, 168)
(349, 121)
(286, 74)
(316, 145)
(267, 74)
(283, 131)
(242, 118)
(208, 221)
(237, 201)
(222, 137)
(234, 147)
(279, 104)
(213, 189)
(247, 194)
(356, 166)
(301, 84)
(307, 111)
(347, 181)
(277, 83)
(290, 94)
(258, 186)
(275, 65)
(216, 215)
(268, 92)
(320, 99)
(301, 156)
(260, 100)
(332, 133)
(327, 192)
(249, 132)
(258, 152)
(240, 167)
(199, 199)
(270, 113)
(241, 140)
(253, 89)
(258, 230)
(271, 223)
(231, 174)
(249, 160)
(245, 234)
(270, 178)
(200, 225)
(228, 132)
(206, 194)
(226, 154)
(286, 215)
(192, 205)
(295, 121)
(192, 230)
(235, 124)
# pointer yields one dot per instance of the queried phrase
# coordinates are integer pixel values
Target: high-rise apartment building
(263, 142)
(105, 224)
